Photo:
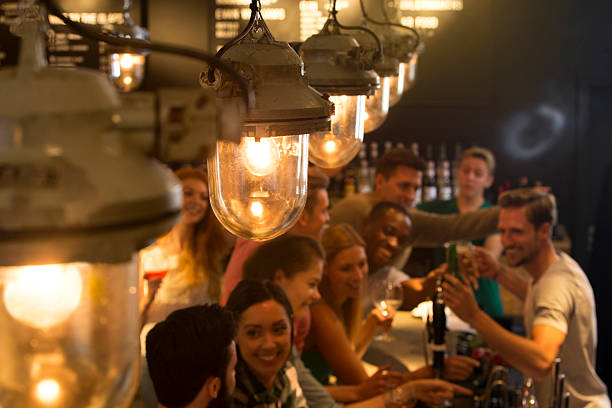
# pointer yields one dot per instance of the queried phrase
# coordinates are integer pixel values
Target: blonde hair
(205, 246)
(481, 153)
(335, 239)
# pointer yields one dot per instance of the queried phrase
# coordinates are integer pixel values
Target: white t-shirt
(563, 298)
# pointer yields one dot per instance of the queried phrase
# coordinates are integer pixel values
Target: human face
(195, 200)
(302, 289)
(385, 237)
(264, 339)
(314, 219)
(474, 177)
(401, 187)
(520, 239)
(345, 272)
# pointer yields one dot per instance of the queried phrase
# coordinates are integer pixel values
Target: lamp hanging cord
(89, 32)
(254, 13)
(389, 23)
(379, 45)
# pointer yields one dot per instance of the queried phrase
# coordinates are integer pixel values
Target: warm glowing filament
(47, 391)
(127, 80)
(43, 296)
(261, 156)
(126, 61)
(256, 209)
(365, 116)
(330, 146)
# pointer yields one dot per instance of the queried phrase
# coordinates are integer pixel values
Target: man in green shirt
(475, 176)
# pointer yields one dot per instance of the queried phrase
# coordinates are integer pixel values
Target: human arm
(433, 230)
(332, 341)
(491, 268)
(372, 322)
(417, 290)
(534, 356)
(493, 245)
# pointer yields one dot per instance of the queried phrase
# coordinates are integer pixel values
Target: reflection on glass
(338, 146)
(396, 87)
(377, 106)
(410, 69)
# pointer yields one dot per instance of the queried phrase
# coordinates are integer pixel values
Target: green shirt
(487, 294)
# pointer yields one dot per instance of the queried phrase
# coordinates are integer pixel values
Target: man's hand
(457, 368)
(488, 266)
(460, 298)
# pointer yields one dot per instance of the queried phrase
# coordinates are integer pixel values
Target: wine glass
(387, 296)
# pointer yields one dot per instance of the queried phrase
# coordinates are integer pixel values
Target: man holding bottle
(559, 304)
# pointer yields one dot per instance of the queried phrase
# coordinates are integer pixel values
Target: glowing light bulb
(126, 70)
(43, 296)
(47, 391)
(330, 146)
(260, 156)
(126, 61)
(337, 147)
(256, 209)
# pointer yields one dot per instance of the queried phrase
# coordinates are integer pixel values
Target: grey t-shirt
(563, 298)
(316, 395)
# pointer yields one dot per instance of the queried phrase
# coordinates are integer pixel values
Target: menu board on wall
(64, 48)
(296, 20)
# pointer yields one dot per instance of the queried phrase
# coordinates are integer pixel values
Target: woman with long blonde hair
(339, 336)
(194, 251)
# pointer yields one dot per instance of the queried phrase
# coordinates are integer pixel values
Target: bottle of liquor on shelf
(414, 146)
(455, 168)
(364, 183)
(400, 145)
(349, 182)
(443, 175)
(430, 191)
(372, 162)
(388, 145)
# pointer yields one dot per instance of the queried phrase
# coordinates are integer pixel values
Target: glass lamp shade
(126, 70)
(338, 146)
(396, 86)
(377, 106)
(69, 335)
(258, 186)
(410, 69)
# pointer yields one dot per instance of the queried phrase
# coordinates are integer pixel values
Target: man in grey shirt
(559, 303)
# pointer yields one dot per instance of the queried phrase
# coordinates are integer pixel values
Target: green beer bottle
(452, 261)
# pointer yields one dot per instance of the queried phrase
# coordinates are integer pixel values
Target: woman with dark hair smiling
(264, 376)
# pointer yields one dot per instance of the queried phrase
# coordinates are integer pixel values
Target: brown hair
(206, 246)
(396, 157)
(540, 206)
(290, 253)
(481, 153)
(316, 181)
(334, 240)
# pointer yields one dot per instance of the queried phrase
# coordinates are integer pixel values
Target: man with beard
(191, 357)
(559, 304)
